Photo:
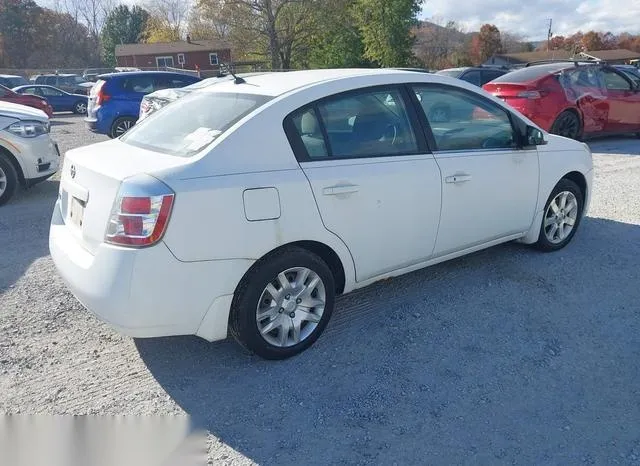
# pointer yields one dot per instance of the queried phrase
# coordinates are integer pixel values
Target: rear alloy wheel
(80, 108)
(562, 215)
(121, 126)
(283, 304)
(568, 125)
(8, 179)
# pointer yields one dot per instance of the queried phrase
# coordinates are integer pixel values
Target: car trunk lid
(90, 181)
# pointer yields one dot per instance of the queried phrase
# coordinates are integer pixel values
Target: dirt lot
(508, 356)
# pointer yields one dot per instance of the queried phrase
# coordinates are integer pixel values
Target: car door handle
(461, 178)
(340, 189)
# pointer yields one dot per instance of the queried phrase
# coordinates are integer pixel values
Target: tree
(124, 25)
(335, 41)
(168, 19)
(486, 43)
(592, 41)
(19, 21)
(440, 46)
(275, 28)
(385, 26)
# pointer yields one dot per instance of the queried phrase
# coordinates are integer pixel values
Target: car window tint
(4, 91)
(49, 92)
(139, 84)
(585, 76)
(613, 81)
(490, 75)
(308, 128)
(31, 90)
(368, 124)
(462, 121)
(471, 76)
(51, 80)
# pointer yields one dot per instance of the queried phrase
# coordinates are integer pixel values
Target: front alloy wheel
(562, 215)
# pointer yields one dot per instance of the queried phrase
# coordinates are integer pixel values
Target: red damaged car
(7, 95)
(572, 99)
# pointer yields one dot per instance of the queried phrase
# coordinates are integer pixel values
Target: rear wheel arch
(324, 252)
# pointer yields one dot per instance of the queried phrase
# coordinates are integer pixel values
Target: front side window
(615, 82)
(192, 122)
(462, 121)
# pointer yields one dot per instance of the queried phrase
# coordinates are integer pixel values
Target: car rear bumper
(146, 292)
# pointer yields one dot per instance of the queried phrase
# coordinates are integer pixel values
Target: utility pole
(549, 35)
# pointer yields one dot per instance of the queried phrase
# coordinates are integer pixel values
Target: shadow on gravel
(60, 123)
(24, 230)
(505, 356)
(629, 145)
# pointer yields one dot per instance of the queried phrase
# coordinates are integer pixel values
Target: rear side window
(490, 75)
(370, 123)
(192, 122)
(4, 91)
(139, 84)
(51, 80)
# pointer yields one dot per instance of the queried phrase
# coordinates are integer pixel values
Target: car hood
(22, 112)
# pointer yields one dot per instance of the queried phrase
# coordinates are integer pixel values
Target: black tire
(121, 123)
(243, 323)
(544, 243)
(567, 124)
(80, 108)
(9, 180)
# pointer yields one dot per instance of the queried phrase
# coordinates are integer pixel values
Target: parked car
(248, 207)
(27, 153)
(67, 82)
(91, 74)
(153, 102)
(60, 100)
(631, 71)
(7, 95)
(114, 102)
(11, 80)
(478, 76)
(572, 99)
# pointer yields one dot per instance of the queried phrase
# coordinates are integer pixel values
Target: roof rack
(576, 62)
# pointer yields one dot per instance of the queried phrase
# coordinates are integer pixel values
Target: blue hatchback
(114, 101)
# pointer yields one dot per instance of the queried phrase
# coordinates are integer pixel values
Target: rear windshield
(189, 124)
(531, 73)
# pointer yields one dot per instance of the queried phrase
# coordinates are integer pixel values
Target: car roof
(143, 73)
(278, 83)
(10, 76)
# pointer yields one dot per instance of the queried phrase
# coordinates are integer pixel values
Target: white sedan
(247, 206)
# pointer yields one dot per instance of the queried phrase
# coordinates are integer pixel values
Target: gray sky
(530, 17)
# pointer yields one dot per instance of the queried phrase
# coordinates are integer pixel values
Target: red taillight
(100, 93)
(140, 220)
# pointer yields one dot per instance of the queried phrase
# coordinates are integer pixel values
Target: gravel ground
(506, 356)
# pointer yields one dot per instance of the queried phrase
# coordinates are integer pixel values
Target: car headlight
(29, 129)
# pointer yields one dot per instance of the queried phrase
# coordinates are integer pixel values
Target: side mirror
(535, 137)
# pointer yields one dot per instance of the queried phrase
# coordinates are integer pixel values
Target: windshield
(454, 73)
(15, 82)
(189, 124)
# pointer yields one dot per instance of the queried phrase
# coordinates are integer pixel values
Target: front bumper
(39, 157)
(146, 292)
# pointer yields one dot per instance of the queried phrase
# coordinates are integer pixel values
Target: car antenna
(236, 79)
